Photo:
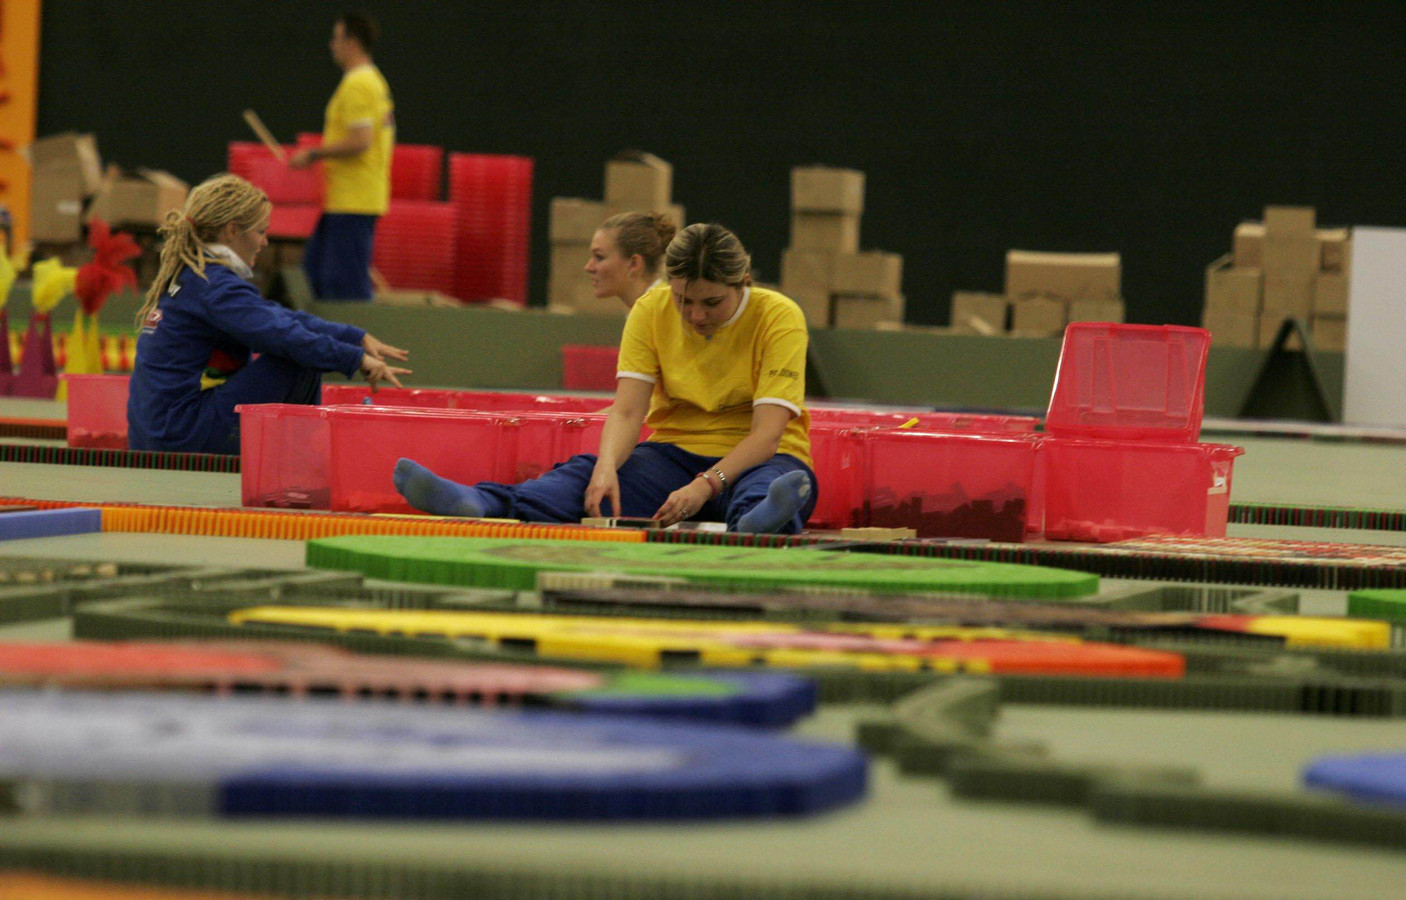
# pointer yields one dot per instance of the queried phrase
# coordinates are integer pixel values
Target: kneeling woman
(719, 367)
(203, 321)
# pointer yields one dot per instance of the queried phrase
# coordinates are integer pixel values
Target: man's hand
(301, 159)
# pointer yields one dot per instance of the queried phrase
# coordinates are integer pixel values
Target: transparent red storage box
(1101, 490)
(285, 451)
(944, 484)
(833, 452)
(367, 441)
(922, 421)
(1142, 382)
(340, 394)
(97, 411)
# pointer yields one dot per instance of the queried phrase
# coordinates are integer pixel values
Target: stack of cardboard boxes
(67, 172)
(823, 269)
(633, 182)
(1282, 268)
(1044, 292)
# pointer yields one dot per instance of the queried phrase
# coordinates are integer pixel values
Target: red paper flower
(107, 271)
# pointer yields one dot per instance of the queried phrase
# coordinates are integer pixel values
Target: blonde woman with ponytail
(203, 322)
(626, 252)
(716, 367)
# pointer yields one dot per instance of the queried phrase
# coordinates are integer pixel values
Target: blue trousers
(648, 477)
(268, 379)
(337, 258)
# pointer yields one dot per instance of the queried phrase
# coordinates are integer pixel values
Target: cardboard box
(1297, 253)
(674, 211)
(567, 281)
(1330, 294)
(815, 303)
(1096, 311)
(1329, 333)
(1288, 292)
(1335, 249)
(831, 232)
(866, 312)
(1247, 246)
(1230, 287)
(807, 270)
(72, 151)
(142, 198)
(823, 189)
(974, 312)
(1289, 220)
(870, 274)
(574, 219)
(1231, 327)
(640, 181)
(56, 206)
(1072, 276)
(1270, 322)
(1035, 316)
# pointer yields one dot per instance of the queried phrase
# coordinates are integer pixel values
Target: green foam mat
(1378, 604)
(509, 563)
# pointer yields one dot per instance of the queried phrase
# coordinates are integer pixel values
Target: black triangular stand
(1289, 385)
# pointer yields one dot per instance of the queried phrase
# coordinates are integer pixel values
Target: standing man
(357, 140)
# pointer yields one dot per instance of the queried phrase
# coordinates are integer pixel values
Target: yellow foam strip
(1308, 631)
(641, 643)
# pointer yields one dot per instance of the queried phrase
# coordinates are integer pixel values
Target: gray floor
(907, 835)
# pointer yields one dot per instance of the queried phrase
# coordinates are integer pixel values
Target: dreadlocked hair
(186, 232)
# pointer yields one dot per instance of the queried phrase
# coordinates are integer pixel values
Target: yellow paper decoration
(7, 273)
(52, 282)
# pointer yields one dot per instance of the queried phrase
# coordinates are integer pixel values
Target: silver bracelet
(722, 479)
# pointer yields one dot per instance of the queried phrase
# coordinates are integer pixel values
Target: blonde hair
(646, 234)
(708, 252)
(213, 204)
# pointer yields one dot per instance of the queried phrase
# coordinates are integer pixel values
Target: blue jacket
(218, 323)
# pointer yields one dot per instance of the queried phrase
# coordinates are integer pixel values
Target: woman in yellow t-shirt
(625, 254)
(716, 367)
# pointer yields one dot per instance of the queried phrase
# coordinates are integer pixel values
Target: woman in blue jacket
(203, 322)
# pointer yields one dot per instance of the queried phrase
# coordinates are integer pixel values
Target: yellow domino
(1308, 631)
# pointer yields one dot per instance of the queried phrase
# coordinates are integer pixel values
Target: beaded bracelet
(709, 479)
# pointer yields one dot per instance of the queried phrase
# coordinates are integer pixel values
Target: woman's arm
(617, 441)
(769, 421)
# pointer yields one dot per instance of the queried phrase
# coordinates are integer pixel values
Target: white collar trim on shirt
(746, 295)
(225, 255)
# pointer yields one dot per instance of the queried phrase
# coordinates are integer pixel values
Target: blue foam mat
(49, 523)
(267, 757)
(1372, 777)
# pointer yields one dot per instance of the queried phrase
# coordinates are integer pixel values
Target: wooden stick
(265, 135)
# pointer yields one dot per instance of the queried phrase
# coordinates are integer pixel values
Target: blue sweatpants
(337, 258)
(268, 379)
(648, 477)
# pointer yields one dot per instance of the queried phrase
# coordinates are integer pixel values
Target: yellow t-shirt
(361, 183)
(704, 390)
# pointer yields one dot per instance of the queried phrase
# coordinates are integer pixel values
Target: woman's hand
(376, 370)
(605, 485)
(684, 503)
(383, 351)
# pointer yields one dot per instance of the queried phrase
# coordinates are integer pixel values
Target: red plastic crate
(944, 484)
(283, 184)
(294, 220)
(415, 245)
(493, 195)
(588, 368)
(1104, 490)
(833, 452)
(416, 172)
(97, 411)
(284, 451)
(1131, 382)
(922, 421)
(496, 401)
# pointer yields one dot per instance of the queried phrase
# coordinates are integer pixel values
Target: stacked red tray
(283, 185)
(493, 195)
(416, 172)
(414, 246)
